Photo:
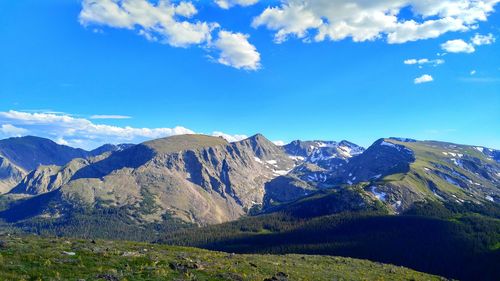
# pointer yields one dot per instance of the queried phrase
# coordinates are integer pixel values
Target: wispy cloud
(110, 117)
(421, 62)
(480, 79)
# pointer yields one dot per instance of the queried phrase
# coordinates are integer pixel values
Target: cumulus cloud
(226, 4)
(81, 132)
(173, 24)
(319, 20)
(236, 51)
(426, 78)
(9, 130)
(458, 46)
(165, 21)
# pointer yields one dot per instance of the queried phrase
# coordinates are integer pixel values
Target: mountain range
(206, 180)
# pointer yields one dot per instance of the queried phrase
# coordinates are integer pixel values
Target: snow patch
(257, 159)
(489, 198)
(380, 195)
(296, 158)
(389, 144)
(281, 172)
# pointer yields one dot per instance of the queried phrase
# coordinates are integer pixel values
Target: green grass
(34, 258)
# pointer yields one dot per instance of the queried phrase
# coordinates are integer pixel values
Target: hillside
(453, 240)
(29, 258)
(195, 178)
(21, 155)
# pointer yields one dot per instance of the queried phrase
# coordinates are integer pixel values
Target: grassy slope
(184, 142)
(33, 258)
(428, 152)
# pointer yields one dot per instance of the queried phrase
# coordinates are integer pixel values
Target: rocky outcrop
(10, 175)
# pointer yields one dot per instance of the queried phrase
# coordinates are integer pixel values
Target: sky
(89, 72)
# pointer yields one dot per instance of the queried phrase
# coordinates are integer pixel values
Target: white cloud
(110, 117)
(226, 4)
(164, 20)
(480, 40)
(288, 20)
(173, 24)
(229, 138)
(426, 78)
(81, 132)
(279, 142)
(9, 130)
(458, 46)
(363, 20)
(236, 51)
(424, 61)
(473, 72)
(410, 61)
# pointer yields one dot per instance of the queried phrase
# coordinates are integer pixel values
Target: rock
(131, 254)
(3, 244)
(107, 277)
(184, 266)
(280, 276)
(69, 253)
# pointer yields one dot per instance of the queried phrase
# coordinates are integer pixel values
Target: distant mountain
(108, 148)
(325, 154)
(400, 172)
(30, 152)
(21, 155)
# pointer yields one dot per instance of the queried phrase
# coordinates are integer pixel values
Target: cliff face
(10, 175)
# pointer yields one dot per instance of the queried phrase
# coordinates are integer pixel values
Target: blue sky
(86, 80)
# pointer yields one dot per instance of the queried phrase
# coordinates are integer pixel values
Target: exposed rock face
(48, 178)
(10, 175)
(197, 178)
